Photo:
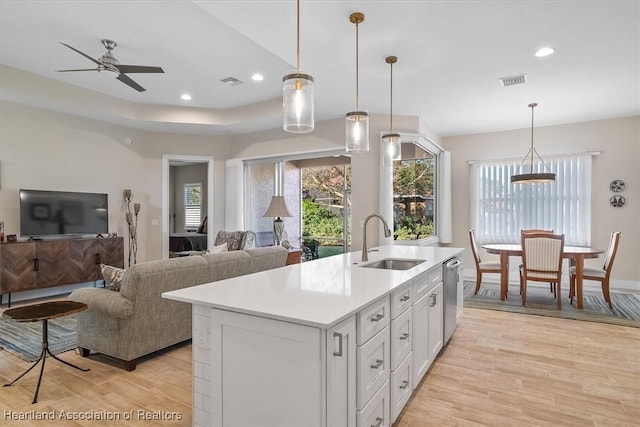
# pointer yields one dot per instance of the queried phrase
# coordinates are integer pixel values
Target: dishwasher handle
(453, 264)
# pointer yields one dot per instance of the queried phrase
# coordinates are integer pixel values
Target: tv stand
(39, 264)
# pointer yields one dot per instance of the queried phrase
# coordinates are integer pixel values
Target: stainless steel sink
(394, 264)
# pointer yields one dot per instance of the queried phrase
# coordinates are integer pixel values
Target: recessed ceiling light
(185, 97)
(545, 51)
(257, 77)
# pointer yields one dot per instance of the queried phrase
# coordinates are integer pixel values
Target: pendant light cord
(532, 149)
(298, 39)
(357, 69)
(391, 102)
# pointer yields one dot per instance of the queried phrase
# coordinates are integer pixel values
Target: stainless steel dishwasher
(452, 275)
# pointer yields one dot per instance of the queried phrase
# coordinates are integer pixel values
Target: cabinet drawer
(376, 413)
(401, 387)
(426, 281)
(372, 319)
(373, 366)
(401, 299)
(401, 338)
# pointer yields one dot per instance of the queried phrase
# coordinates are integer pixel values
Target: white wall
(43, 150)
(619, 141)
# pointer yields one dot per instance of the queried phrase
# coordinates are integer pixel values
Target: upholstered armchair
(236, 240)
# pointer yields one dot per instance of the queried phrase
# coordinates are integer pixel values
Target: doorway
(182, 175)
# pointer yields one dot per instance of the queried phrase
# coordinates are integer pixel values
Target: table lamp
(278, 210)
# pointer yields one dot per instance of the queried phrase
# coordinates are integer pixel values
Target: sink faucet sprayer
(387, 233)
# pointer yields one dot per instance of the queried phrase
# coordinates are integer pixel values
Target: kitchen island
(322, 343)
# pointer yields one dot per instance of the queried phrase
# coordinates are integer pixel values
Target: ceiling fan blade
(83, 69)
(138, 69)
(129, 82)
(82, 53)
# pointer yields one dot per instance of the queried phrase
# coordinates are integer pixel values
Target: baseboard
(616, 285)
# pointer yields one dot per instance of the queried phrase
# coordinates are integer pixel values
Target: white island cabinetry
(323, 343)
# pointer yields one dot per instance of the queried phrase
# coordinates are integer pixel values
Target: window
(414, 198)
(192, 206)
(501, 209)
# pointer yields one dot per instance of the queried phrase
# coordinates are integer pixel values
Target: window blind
(501, 209)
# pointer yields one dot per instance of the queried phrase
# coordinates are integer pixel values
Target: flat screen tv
(47, 213)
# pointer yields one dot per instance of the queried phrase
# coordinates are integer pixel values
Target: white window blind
(192, 206)
(501, 209)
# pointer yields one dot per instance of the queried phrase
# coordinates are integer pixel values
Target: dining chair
(481, 267)
(552, 285)
(601, 275)
(541, 261)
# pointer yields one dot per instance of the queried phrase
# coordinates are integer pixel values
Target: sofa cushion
(267, 258)
(112, 276)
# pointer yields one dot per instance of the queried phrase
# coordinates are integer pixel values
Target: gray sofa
(137, 321)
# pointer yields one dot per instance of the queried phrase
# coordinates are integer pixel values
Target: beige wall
(179, 176)
(50, 151)
(619, 141)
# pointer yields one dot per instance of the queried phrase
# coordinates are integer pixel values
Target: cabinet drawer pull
(379, 362)
(36, 264)
(378, 423)
(339, 336)
(404, 298)
(433, 300)
(404, 336)
(378, 317)
(405, 384)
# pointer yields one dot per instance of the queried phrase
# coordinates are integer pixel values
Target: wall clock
(617, 185)
(617, 201)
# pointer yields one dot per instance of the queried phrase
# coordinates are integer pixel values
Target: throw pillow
(112, 276)
(219, 248)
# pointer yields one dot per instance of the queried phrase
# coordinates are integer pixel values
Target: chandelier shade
(357, 121)
(533, 177)
(297, 94)
(391, 141)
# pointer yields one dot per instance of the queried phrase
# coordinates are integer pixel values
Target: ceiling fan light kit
(533, 177)
(357, 121)
(297, 94)
(110, 64)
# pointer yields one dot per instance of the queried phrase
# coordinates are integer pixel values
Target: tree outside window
(413, 194)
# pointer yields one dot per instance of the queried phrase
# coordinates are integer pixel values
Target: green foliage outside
(413, 177)
(318, 220)
(414, 228)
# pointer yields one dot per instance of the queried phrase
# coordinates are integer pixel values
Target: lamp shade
(297, 102)
(277, 208)
(357, 131)
(391, 143)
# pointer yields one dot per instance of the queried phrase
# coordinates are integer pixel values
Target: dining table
(575, 254)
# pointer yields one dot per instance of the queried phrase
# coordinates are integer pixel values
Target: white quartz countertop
(318, 293)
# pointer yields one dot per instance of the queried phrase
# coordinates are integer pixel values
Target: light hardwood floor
(500, 369)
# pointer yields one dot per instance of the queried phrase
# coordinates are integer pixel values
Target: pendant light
(391, 141)
(357, 121)
(533, 177)
(297, 94)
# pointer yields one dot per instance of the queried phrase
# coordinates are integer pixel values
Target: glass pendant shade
(392, 143)
(357, 131)
(297, 102)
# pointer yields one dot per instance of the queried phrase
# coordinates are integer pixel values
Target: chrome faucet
(387, 233)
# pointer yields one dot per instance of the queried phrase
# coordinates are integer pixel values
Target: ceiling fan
(108, 62)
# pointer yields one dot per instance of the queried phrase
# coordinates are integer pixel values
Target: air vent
(231, 81)
(513, 80)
